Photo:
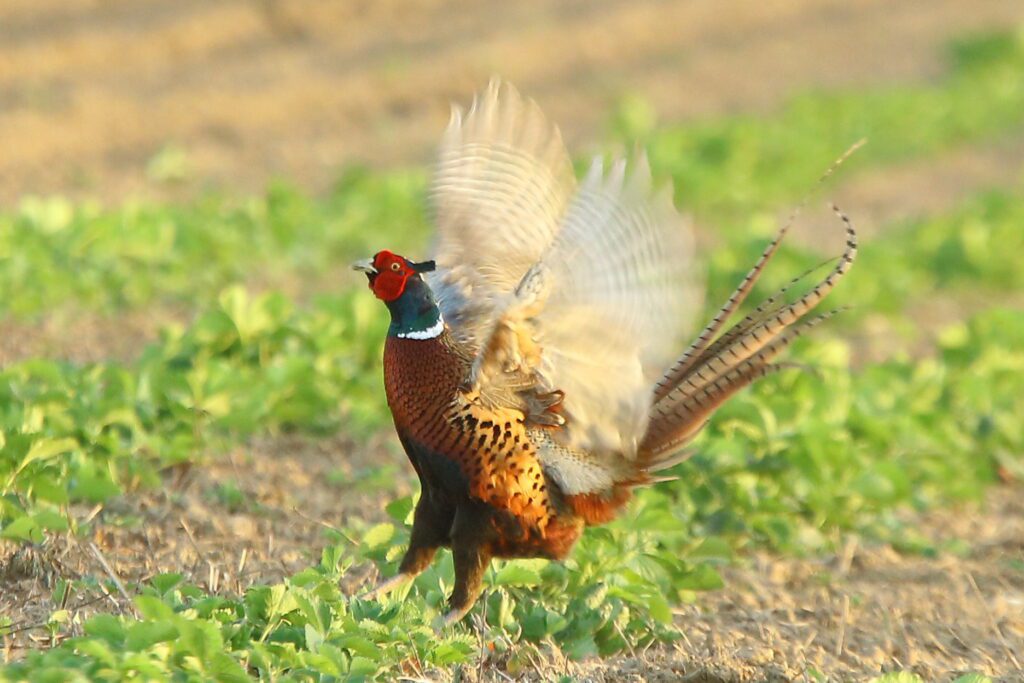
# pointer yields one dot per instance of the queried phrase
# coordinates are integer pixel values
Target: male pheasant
(529, 366)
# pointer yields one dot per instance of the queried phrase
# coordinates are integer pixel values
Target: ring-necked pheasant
(529, 366)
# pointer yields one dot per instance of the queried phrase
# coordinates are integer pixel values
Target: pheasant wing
(595, 320)
(501, 185)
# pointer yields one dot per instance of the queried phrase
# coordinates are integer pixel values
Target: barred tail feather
(660, 446)
(685, 363)
(765, 310)
(712, 371)
(693, 355)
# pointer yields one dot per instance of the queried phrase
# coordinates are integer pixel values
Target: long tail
(713, 369)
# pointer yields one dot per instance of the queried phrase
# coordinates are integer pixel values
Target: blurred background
(191, 404)
(92, 90)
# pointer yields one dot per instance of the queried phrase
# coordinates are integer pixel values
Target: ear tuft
(423, 266)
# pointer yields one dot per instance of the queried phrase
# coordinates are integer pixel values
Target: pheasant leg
(430, 530)
(471, 535)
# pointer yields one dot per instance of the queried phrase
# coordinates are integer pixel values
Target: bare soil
(91, 90)
(79, 336)
(274, 528)
(866, 610)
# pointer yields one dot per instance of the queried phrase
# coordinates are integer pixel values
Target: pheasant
(531, 366)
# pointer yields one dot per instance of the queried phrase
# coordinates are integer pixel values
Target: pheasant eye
(396, 266)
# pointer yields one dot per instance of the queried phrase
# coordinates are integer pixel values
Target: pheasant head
(397, 282)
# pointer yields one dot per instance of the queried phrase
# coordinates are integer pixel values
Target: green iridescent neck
(415, 314)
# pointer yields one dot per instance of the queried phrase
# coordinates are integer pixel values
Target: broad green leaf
(143, 635)
(378, 535)
(50, 520)
(23, 528)
(898, 677)
(518, 573)
(106, 626)
(153, 608)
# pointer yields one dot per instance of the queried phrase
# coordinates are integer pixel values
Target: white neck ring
(431, 332)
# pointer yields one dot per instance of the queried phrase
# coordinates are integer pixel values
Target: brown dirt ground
(187, 527)
(90, 90)
(80, 336)
(863, 610)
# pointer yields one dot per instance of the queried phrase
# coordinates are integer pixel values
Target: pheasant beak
(365, 266)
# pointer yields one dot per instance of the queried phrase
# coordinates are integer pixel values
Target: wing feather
(501, 185)
(622, 294)
(600, 313)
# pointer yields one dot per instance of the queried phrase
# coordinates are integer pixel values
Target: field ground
(94, 94)
(957, 608)
(91, 91)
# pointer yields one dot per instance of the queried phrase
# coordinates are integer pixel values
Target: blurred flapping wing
(594, 321)
(502, 183)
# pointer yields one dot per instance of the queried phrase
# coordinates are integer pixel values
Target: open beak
(365, 266)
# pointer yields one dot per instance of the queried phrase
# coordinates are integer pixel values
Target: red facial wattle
(393, 272)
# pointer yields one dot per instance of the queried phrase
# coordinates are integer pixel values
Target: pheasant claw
(386, 586)
(450, 619)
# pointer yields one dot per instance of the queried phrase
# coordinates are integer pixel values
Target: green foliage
(55, 254)
(972, 678)
(802, 453)
(898, 677)
(89, 433)
(909, 677)
(972, 251)
(731, 165)
(780, 466)
(303, 628)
